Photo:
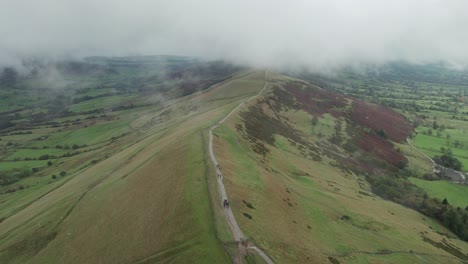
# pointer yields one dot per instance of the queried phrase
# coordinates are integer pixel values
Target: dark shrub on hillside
(431, 177)
(44, 157)
(448, 160)
(382, 133)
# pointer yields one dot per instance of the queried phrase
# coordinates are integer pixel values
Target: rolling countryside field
(233, 132)
(113, 167)
(434, 98)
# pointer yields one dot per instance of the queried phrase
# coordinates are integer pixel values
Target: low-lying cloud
(272, 33)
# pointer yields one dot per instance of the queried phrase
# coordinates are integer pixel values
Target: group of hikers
(225, 202)
(219, 171)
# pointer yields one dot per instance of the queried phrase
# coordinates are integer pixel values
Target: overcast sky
(317, 34)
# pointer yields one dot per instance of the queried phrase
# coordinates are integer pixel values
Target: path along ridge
(231, 220)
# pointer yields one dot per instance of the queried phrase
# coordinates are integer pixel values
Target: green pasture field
(86, 135)
(36, 153)
(456, 194)
(432, 144)
(10, 165)
(11, 203)
(102, 102)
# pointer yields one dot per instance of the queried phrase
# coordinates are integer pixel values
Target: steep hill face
(295, 163)
(362, 133)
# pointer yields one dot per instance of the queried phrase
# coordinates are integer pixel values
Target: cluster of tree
(458, 144)
(12, 176)
(436, 125)
(381, 133)
(20, 133)
(407, 106)
(314, 121)
(447, 159)
(336, 137)
(402, 191)
(47, 156)
(75, 146)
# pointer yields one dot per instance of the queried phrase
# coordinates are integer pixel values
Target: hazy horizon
(316, 35)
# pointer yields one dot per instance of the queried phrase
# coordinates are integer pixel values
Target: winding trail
(231, 220)
(420, 151)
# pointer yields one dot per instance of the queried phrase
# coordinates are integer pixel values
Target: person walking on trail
(225, 203)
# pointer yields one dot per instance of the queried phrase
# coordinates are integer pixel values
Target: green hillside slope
(118, 171)
(300, 193)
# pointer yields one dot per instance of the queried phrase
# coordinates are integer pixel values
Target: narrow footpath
(420, 151)
(231, 220)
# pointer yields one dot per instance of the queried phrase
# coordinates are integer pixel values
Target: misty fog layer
(316, 34)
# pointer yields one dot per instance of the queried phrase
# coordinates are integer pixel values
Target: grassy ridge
(147, 188)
